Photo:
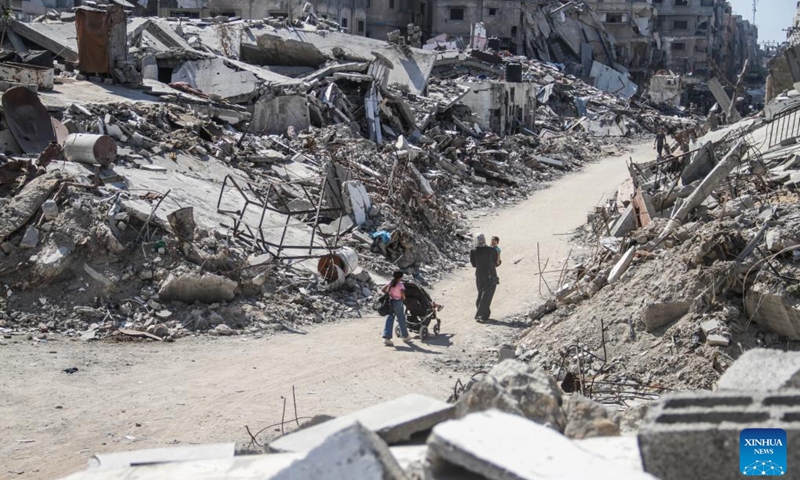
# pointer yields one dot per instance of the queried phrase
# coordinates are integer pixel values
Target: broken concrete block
(394, 421)
(354, 452)
(700, 165)
(499, 446)
(542, 309)
(30, 239)
(622, 265)
(17, 212)
(357, 200)
(587, 418)
(777, 312)
(625, 223)
(748, 372)
(709, 326)
(50, 210)
(514, 387)
(697, 434)
(192, 287)
(51, 262)
(718, 340)
(657, 315)
(222, 330)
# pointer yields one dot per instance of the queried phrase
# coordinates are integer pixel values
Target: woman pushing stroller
(397, 294)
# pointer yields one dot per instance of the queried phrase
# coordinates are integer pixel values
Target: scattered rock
(517, 388)
(192, 287)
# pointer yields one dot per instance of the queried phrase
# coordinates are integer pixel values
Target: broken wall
(274, 115)
(498, 104)
(666, 89)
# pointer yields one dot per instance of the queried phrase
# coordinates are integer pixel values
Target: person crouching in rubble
(484, 259)
(397, 294)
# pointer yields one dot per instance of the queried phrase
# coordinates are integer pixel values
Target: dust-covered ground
(136, 395)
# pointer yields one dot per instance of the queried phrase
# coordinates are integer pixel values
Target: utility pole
(755, 4)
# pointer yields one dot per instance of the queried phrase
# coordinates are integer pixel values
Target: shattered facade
(633, 26)
(501, 19)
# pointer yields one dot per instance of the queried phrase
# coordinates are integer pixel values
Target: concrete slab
(395, 420)
(748, 372)
(248, 467)
(776, 311)
(213, 77)
(274, 115)
(59, 38)
(623, 450)
(500, 446)
(622, 265)
(162, 455)
(354, 452)
(272, 46)
(661, 314)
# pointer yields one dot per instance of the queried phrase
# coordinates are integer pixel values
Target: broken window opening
(492, 12)
(361, 26)
(706, 3)
(514, 31)
(679, 46)
(456, 13)
(343, 23)
(422, 8)
(681, 3)
(184, 14)
(391, 4)
(165, 75)
(680, 25)
(613, 18)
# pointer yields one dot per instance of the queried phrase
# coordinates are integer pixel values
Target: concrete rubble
(694, 262)
(295, 145)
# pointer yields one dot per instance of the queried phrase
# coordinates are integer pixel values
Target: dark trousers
(486, 290)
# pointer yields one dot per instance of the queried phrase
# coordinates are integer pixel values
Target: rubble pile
(324, 163)
(693, 263)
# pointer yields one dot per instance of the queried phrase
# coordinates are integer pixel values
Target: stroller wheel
(436, 329)
(397, 331)
(423, 333)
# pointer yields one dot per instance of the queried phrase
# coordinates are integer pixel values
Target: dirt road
(133, 396)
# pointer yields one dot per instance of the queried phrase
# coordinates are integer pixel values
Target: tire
(436, 329)
(397, 331)
(423, 333)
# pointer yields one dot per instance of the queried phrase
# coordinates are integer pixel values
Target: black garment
(486, 287)
(484, 259)
(661, 139)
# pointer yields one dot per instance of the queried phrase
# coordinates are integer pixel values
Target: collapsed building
(295, 130)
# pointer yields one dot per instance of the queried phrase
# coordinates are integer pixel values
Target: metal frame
(784, 125)
(254, 235)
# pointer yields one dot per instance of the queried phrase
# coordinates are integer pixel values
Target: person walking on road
(397, 294)
(484, 259)
(661, 141)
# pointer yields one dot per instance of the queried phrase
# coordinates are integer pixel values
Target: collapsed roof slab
(59, 38)
(310, 48)
(213, 77)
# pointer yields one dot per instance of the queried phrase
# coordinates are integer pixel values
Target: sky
(772, 16)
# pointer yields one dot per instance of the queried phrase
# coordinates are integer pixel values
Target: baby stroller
(420, 311)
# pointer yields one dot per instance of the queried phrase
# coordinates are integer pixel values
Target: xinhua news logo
(762, 452)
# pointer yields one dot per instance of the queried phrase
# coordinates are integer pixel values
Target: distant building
(632, 23)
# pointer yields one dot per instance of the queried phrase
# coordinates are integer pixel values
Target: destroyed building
(633, 26)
